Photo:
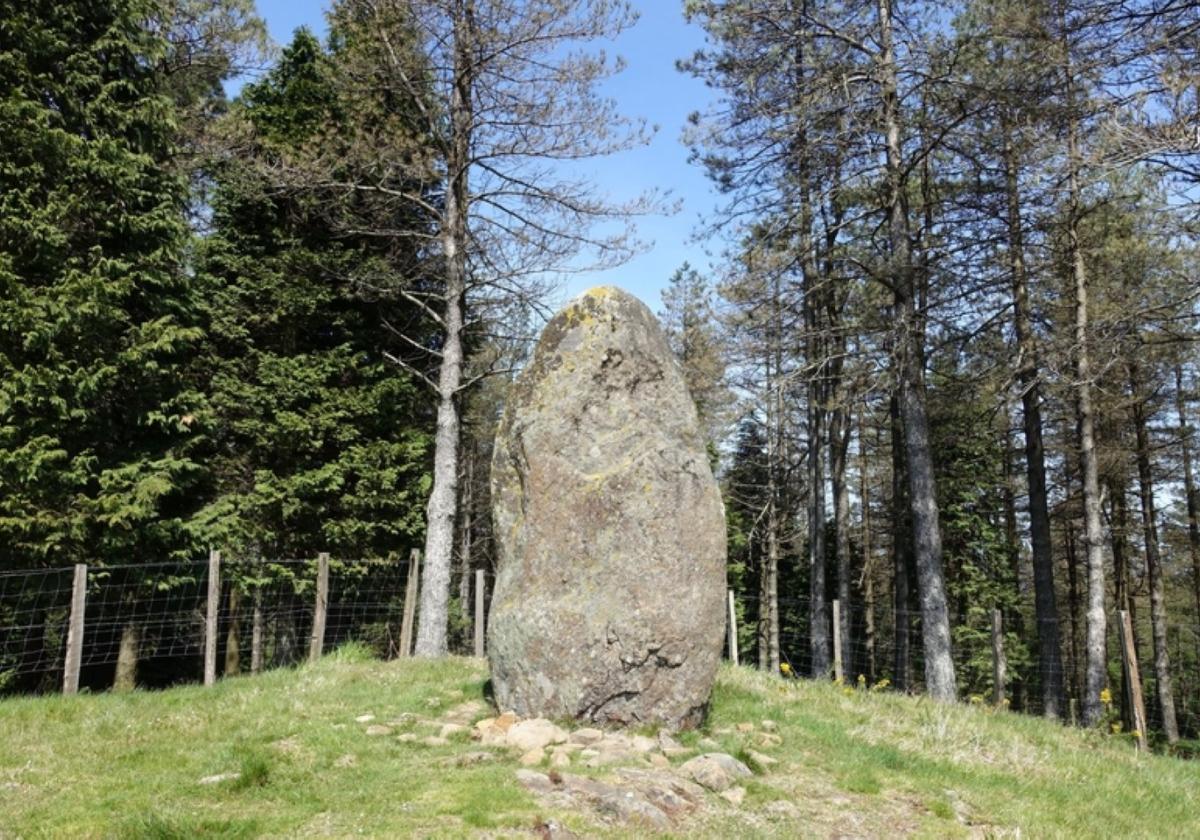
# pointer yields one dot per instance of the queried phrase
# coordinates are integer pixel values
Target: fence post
(839, 672)
(210, 617)
(256, 633)
(410, 602)
(479, 612)
(733, 638)
(999, 663)
(1130, 662)
(75, 630)
(317, 643)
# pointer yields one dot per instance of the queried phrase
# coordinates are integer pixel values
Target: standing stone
(609, 594)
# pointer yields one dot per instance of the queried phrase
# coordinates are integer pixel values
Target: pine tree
(97, 417)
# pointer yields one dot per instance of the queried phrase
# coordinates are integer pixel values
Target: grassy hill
(850, 763)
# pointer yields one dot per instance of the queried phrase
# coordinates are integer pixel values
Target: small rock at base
(534, 734)
(761, 759)
(434, 741)
(734, 795)
(586, 736)
(378, 729)
(769, 726)
(533, 757)
(451, 729)
(364, 718)
(220, 777)
(715, 771)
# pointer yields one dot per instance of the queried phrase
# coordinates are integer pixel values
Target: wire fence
(148, 624)
(887, 651)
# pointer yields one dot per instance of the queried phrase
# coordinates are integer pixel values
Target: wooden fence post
(480, 603)
(316, 644)
(210, 617)
(733, 638)
(256, 633)
(999, 663)
(1130, 661)
(839, 672)
(410, 602)
(75, 630)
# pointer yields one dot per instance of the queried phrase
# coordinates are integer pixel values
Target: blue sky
(650, 87)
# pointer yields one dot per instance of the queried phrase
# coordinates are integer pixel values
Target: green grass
(855, 763)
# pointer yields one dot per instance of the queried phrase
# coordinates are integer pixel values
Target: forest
(945, 357)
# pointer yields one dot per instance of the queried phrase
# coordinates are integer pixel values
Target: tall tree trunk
(1073, 602)
(125, 678)
(443, 498)
(1158, 606)
(1189, 487)
(464, 544)
(868, 576)
(818, 606)
(1118, 539)
(772, 584)
(1029, 375)
(839, 447)
(927, 535)
(1013, 621)
(1096, 672)
(233, 638)
(901, 553)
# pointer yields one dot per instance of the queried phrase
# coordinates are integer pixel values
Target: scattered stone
(376, 729)
(609, 598)
(506, 720)
(472, 758)
(734, 795)
(344, 761)
(364, 718)
(534, 734)
(586, 754)
(586, 736)
(434, 741)
(715, 771)
(643, 744)
(451, 729)
(708, 744)
(670, 747)
(464, 713)
(220, 777)
(534, 781)
(769, 739)
(660, 761)
(406, 738)
(404, 719)
(560, 758)
(533, 758)
(553, 830)
(761, 759)
(769, 726)
(745, 727)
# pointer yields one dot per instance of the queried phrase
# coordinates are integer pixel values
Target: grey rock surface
(608, 604)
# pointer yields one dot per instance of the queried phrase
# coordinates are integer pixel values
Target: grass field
(850, 763)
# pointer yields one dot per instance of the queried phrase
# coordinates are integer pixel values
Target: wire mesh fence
(148, 623)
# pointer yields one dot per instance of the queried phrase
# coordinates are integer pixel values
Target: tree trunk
(818, 606)
(1029, 375)
(1012, 618)
(1158, 606)
(839, 446)
(127, 658)
(868, 577)
(233, 638)
(1073, 599)
(464, 546)
(901, 553)
(927, 535)
(443, 499)
(1189, 488)
(772, 585)
(1117, 538)
(1096, 672)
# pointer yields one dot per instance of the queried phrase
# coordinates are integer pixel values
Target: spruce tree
(96, 313)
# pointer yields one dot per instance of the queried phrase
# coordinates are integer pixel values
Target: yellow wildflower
(1106, 697)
